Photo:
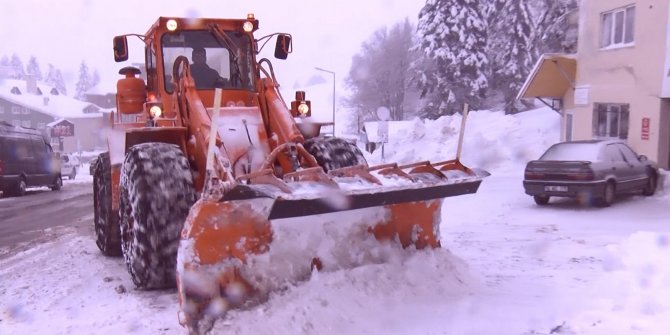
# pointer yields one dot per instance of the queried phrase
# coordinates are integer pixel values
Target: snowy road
(507, 267)
(43, 214)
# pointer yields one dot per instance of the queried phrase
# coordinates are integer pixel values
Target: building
(30, 104)
(617, 85)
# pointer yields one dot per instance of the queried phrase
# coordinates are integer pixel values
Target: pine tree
(33, 68)
(553, 32)
(454, 37)
(84, 82)
(95, 80)
(515, 56)
(17, 66)
(55, 79)
(60, 83)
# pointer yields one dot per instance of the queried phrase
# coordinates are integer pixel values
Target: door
(41, 162)
(638, 169)
(621, 170)
(25, 159)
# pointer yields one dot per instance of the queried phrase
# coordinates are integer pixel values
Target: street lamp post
(333, 73)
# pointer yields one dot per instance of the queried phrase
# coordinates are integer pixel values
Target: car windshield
(571, 152)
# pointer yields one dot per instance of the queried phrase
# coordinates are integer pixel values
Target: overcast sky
(326, 33)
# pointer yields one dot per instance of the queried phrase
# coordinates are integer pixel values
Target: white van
(69, 165)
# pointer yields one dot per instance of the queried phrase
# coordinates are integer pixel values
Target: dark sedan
(595, 171)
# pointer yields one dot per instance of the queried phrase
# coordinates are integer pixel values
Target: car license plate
(556, 188)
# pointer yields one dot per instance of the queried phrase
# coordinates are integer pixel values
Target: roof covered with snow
(50, 101)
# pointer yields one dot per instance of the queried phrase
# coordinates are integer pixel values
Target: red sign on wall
(63, 128)
(645, 128)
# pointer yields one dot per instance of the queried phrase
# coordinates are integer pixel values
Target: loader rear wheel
(106, 221)
(333, 153)
(157, 193)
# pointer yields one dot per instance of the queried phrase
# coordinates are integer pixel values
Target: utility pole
(333, 73)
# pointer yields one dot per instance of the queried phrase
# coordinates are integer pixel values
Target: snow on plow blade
(223, 235)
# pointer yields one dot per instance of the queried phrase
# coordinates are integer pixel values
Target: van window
(23, 147)
(37, 146)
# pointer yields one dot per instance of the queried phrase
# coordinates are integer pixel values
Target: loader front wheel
(333, 153)
(157, 193)
(106, 221)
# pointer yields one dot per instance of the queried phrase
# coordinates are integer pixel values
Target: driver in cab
(204, 76)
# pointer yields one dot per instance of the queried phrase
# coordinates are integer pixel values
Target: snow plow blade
(287, 208)
(223, 234)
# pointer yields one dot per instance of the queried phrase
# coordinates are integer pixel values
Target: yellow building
(617, 85)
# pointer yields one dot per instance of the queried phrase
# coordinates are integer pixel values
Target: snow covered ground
(507, 266)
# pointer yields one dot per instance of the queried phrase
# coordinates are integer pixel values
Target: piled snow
(492, 140)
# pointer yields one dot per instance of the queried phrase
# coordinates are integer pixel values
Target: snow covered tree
(537, 27)
(55, 78)
(513, 54)
(95, 80)
(84, 82)
(454, 36)
(489, 47)
(379, 73)
(33, 69)
(17, 65)
(4, 61)
(554, 30)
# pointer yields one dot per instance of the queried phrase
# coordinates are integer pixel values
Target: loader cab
(230, 58)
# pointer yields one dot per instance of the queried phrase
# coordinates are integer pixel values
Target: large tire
(333, 153)
(106, 221)
(157, 193)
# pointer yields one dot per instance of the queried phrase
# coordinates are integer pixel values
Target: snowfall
(506, 266)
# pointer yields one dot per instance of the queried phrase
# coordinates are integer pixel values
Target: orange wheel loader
(202, 165)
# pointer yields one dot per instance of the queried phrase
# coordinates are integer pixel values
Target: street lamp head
(324, 70)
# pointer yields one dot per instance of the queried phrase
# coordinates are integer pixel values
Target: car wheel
(541, 199)
(20, 189)
(58, 184)
(650, 188)
(607, 198)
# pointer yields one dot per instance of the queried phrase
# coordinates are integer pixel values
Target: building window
(617, 28)
(41, 125)
(25, 123)
(25, 110)
(16, 110)
(610, 120)
(16, 123)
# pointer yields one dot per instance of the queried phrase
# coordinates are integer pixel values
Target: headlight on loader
(155, 112)
(171, 25)
(248, 26)
(303, 109)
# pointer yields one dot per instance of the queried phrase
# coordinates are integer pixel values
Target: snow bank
(493, 141)
(635, 292)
